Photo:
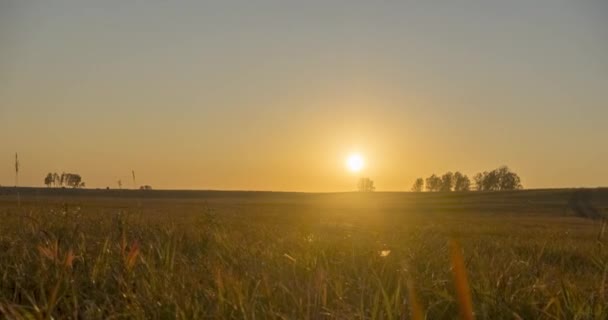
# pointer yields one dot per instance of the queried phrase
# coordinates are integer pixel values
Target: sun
(355, 162)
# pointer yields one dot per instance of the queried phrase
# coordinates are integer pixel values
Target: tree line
(447, 182)
(64, 180)
(500, 179)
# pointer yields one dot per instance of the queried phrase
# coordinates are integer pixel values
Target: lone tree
(418, 185)
(366, 185)
(461, 182)
(501, 179)
(433, 183)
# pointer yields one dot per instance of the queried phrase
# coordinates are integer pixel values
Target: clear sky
(273, 95)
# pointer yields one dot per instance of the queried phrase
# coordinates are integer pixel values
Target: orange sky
(275, 96)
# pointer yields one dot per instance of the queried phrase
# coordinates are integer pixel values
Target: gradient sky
(273, 95)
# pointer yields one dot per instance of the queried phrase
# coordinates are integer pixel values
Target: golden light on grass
(355, 162)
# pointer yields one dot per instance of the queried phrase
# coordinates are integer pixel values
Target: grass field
(96, 254)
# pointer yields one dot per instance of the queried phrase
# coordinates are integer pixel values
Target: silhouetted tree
(119, 184)
(48, 180)
(433, 183)
(65, 179)
(478, 180)
(461, 182)
(491, 181)
(447, 182)
(500, 179)
(365, 185)
(507, 179)
(62, 179)
(71, 180)
(418, 185)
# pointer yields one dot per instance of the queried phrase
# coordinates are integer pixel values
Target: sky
(274, 95)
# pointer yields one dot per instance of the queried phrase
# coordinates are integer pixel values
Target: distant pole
(17, 179)
(134, 184)
(16, 170)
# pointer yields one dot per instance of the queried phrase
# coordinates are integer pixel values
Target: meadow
(134, 254)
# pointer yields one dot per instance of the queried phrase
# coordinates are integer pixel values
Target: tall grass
(98, 260)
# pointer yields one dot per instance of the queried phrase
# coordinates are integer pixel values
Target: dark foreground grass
(286, 258)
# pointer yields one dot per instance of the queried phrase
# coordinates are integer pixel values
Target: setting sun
(355, 162)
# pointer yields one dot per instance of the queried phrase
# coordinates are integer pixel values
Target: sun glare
(355, 162)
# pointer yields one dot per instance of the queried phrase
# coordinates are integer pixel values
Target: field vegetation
(72, 254)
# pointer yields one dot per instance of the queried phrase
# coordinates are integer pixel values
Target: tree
(447, 182)
(48, 180)
(62, 179)
(51, 179)
(65, 179)
(501, 179)
(487, 181)
(366, 185)
(418, 185)
(507, 179)
(491, 181)
(433, 183)
(73, 180)
(461, 182)
(478, 180)
(119, 184)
